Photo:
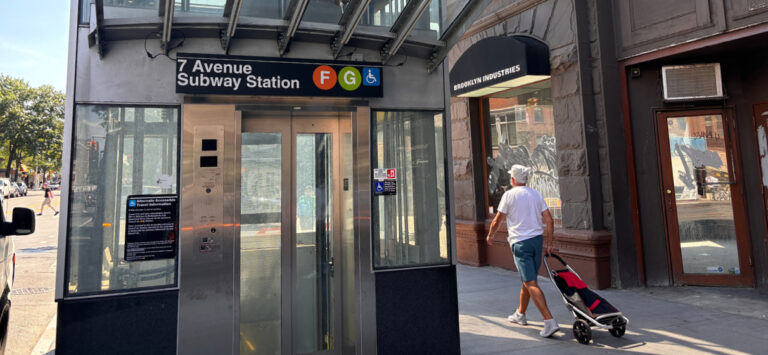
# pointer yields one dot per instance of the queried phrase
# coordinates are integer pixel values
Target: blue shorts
(528, 257)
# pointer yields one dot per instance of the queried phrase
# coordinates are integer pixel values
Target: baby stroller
(589, 309)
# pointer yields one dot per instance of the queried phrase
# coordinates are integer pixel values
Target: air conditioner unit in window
(692, 82)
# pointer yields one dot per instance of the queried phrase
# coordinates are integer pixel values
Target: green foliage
(31, 124)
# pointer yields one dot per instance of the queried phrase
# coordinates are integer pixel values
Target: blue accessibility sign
(131, 203)
(371, 76)
(385, 187)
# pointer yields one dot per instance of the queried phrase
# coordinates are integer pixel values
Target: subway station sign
(234, 75)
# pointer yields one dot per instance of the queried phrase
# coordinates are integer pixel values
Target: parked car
(5, 187)
(22, 223)
(15, 190)
(22, 188)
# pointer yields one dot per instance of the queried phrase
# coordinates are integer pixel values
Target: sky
(34, 40)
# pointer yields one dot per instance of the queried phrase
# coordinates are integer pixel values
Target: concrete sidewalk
(669, 320)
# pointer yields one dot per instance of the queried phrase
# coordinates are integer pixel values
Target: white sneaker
(518, 318)
(550, 327)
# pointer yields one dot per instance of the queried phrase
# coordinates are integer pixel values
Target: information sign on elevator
(384, 182)
(151, 227)
(237, 75)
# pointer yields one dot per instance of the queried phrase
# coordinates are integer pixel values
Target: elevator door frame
(207, 305)
(290, 127)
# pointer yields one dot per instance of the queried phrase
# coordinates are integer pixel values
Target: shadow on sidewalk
(656, 325)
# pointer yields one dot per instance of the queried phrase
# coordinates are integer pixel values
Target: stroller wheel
(581, 331)
(619, 328)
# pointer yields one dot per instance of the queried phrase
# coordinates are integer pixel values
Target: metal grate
(31, 291)
(687, 82)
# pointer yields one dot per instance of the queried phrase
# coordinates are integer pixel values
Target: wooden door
(706, 222)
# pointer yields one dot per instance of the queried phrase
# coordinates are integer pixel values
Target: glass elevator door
(293, 221)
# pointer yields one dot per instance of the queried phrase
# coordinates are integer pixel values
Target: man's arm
(494, 226)
(549, 229)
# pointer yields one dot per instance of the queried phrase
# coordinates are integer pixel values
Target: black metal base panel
(417, 312)
(131, 324)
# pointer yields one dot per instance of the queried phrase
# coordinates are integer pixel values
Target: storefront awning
(498, 63)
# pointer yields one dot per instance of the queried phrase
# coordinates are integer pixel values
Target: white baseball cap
(520, 173)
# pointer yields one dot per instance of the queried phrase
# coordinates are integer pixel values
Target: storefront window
(520, 129)
(117, 152)
(410, 227)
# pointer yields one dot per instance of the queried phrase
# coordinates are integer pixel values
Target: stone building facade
(614, 227)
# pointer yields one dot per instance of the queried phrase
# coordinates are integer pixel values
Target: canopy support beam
(232, 13)
(402, 27)
(165, 10)
(294, 14)
(96, 26)
(349, 21)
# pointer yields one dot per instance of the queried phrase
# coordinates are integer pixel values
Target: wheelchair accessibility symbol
(371, 76)
(379, 186)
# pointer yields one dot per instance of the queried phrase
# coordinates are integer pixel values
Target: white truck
(22, 223)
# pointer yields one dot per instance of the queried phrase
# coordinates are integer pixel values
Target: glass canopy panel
(428, 25)
(199, 8)
(128, 8)
(325, 11)
(274, 9)
(450, 9)
(384, 13)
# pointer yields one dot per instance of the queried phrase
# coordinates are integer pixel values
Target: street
(32, 323)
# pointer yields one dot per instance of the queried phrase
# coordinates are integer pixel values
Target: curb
(47, 341)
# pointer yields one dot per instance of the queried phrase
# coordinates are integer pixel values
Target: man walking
(524, 209)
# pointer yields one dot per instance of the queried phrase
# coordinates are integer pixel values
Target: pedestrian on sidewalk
(524, 209)
(48, 197)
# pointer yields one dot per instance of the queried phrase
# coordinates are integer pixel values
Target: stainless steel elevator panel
(208, 187)
(206, 278)
(211, 251)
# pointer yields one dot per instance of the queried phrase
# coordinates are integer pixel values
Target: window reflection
(118, 151)
(410, 227)
(199, 7)
(129, 8)
(520, 129)
(702, 189)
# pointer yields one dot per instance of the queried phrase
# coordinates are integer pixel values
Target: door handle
(330, 266)
(669, 192)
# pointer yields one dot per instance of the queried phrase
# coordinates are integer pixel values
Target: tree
(47, 106)
(31, 123)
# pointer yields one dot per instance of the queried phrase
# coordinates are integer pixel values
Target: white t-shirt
(523, 207)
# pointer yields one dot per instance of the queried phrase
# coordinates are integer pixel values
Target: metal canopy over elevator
(176, 20)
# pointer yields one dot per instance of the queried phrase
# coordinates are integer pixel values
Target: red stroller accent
(589, 309)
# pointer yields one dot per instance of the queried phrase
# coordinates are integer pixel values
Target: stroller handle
(553, 255)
